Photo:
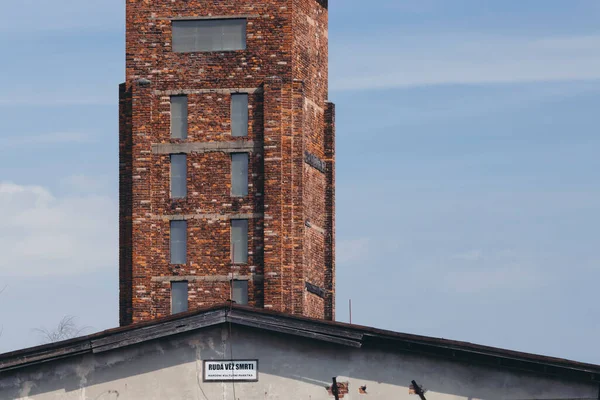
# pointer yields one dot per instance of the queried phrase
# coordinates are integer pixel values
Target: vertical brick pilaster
(298, 278)
(287, 183)
(273, 194)
(142, 232)
(310, 47)
(330, 211)
(125, 206)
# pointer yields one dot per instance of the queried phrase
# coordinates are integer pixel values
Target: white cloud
(395, 60)
(44, 139)
(43, 234)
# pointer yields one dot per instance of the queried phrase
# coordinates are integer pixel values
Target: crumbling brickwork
(290, 142)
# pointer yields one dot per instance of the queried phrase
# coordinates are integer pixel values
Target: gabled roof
(333, 332)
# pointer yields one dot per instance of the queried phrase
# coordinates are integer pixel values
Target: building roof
(334, 332)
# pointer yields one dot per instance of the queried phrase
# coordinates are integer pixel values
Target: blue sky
(468, 197)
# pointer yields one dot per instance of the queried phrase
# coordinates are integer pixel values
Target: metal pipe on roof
(335, 389)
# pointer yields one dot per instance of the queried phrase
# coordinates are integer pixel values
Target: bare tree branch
(67, 329)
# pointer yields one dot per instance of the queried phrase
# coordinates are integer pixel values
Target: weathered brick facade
(290, 205)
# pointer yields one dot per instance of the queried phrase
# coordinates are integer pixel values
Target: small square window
(179, 297)
(178, 242)
(239, 241)
(239, 293)
(239, 115)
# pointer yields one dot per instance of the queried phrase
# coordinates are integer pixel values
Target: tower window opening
(179, 117)
(178, 242)
(179, 297)
(239, 241)
(239, 292)
(239, 115)
(239, 174)
(209, 35)
(178, 176)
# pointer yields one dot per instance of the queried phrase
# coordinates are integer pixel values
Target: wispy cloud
(471, 255)
(44, 234)
(404, 6)
(513, 277)
(12, 142)
(34, 16)
(401, 61)
(352, 250)
(59, 97)
(85, 184)
(477, 271)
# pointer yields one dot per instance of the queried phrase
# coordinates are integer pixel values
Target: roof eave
(327, 331)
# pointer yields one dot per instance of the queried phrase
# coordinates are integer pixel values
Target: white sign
(235, 370)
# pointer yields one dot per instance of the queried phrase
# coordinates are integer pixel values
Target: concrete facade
(290, 142)
(289, 368)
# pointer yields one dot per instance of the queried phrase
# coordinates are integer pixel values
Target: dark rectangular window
(240, 292)
(178, 242)
(209, 35)
(239, 174)
(178, 176)
(239, 240)
(179, 117)
(179, 297)
(239, 114)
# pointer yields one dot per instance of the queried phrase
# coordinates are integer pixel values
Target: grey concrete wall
(290, 368)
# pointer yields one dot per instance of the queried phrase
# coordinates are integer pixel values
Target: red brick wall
(284, 68)
(310, 65)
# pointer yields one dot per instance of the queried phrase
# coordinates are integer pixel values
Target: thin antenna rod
(350, 309)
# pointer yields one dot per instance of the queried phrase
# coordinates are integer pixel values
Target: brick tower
(226, 158)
